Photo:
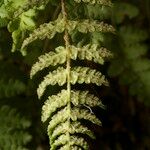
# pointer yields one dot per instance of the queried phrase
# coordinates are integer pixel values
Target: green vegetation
(89, 61)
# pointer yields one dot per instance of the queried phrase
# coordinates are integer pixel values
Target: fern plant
(12, 126)
(66, 110)
(131, 64)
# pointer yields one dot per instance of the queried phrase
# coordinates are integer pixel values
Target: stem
(68, 64)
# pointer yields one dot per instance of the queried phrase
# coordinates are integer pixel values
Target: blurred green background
(126, 121)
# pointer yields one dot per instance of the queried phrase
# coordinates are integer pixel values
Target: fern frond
(78, 75)
(66, 110)
(55, 102)
(100, 2)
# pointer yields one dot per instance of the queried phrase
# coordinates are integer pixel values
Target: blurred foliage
(126, 120)
(13, 126)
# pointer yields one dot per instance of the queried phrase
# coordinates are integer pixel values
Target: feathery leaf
(78, 75)
(100, 2)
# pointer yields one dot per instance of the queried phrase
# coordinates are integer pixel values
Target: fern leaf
(68, 147)
(84, 114)
(89, 52)
(46, 30)
(59, 130)
(75, 127)
(51, 58)
(76, 114)
(58, 118)
(53, 103)
(87, 75)
(77, 98)
(100, 2)
(57, 76)
(78, 75)
(86, 25)
(79, 141)
(84, 98)
(63, 139)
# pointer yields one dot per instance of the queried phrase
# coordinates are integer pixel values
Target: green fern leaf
(75, 127)
(100, 2)
(58, 118)
(68, 147)
(89, 52)
(57, 76)
(86, 75)
(84, 98)
(76, 114)
(78, 75)
(53, 103)
(77, 98)
(51, 58)
(86, 25)
(63, 140)
(85, 114)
